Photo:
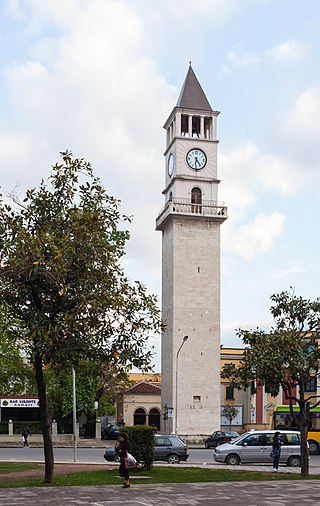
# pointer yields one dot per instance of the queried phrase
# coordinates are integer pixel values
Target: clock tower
(190, 224)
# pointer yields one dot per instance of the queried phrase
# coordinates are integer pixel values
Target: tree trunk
(304, 441)
(45, 422)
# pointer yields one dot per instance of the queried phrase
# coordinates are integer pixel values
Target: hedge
(33, 427)
(142, 441)
(4, 429)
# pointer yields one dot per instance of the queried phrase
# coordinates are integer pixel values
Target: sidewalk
(293, 493)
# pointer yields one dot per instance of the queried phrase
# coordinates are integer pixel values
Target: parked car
(220, 437)
(255, 447)
(111, 431)
(166, 448)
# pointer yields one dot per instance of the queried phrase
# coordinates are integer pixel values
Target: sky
(100, 78)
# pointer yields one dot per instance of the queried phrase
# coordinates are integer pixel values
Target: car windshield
(234, 441)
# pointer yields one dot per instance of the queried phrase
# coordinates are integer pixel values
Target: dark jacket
(276, 445)
(123, 448)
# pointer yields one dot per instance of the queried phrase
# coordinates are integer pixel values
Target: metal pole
(74, 398)
(177, 375)
(96, 405)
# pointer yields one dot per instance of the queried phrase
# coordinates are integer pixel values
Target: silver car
(166, 447)
(254, 447)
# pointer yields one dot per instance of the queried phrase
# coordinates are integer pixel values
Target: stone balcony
(211, 209)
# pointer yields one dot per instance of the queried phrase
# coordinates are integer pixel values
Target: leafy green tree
(16, 374)
(111, 381)
(86, 386)
(95, 381)
(230, 413)
(60, 392)
(106, 405)
(284, 357)
(62, 279)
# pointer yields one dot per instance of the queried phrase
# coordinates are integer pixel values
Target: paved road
(297, 493)
(95, 455)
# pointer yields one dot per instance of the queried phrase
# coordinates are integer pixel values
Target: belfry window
(184, 125)
(196, 126)
(196, 200)
(208, 128)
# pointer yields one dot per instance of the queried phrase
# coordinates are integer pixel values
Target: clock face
(196, 158)
(170, 164)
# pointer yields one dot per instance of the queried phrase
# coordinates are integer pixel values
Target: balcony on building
(211, 209)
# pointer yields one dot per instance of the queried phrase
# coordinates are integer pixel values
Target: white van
(254, 447)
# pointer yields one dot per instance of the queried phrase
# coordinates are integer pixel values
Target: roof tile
(144, 388)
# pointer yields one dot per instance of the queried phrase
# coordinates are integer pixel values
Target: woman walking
(124, 448)
(24, 435)
(276, 448)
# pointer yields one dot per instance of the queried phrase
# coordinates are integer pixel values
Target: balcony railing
(209, 208)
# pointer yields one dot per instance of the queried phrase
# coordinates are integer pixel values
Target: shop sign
(19, 403)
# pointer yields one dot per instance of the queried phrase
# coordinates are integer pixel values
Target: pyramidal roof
(192, 95)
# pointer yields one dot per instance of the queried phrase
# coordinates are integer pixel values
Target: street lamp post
(74, 403)
(177, 375)
(96, 405)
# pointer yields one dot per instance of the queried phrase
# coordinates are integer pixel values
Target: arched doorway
(154, 417)
(196, 200)
(139, 417)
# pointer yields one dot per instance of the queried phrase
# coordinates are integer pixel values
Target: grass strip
(156, 475)
(11, 467)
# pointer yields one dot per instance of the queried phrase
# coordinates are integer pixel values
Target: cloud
(237, 59)
(237, 173)
(293, 268)
(13, 9)
(296, 130)
(305, 114)
(229, 330)
(99, 95)
(278, 174)
(290, 52)
(229, 264)
(257, 236)
(247, 174)
(88, 85)
(210, 11)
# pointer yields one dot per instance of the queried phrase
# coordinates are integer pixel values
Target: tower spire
(192, 95)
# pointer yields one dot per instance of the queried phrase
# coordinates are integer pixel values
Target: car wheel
(207, 446)
(313, 447)
(173, 459)
(233, 460)
(294, 461)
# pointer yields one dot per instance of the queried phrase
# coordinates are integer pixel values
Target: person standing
(25, 434)
(123, 449)
(276, 449)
